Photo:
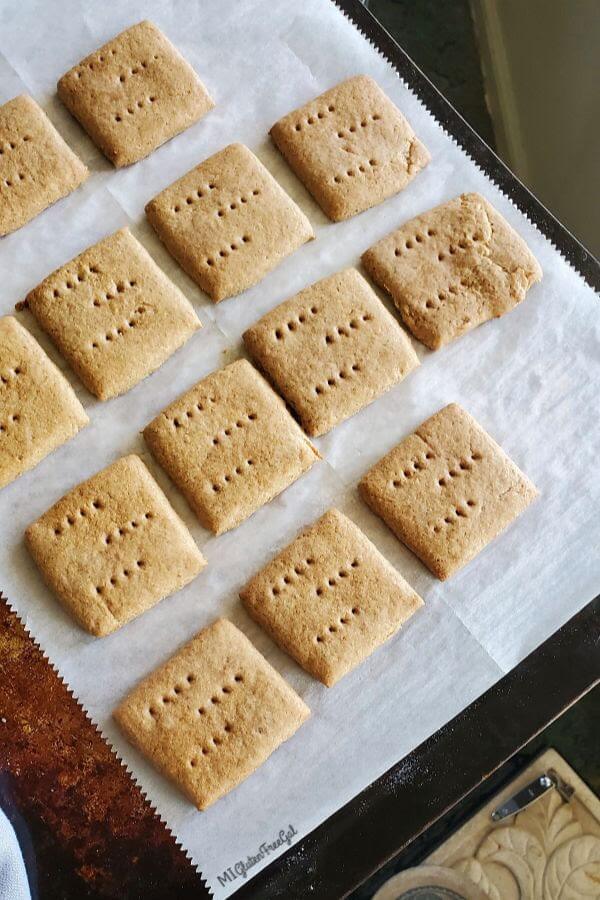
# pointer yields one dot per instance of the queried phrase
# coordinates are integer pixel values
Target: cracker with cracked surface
(134, 93)
(351, 147)
(331, 350)
(330, 598)
(212, 714)
(447, 490)
(453, 268)
(230, 445)
(113, 547)
(37, 168)
(38, 407)
(113, 314)
(228, 222)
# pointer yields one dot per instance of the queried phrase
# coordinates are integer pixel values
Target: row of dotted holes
(241, 423)
(79, 278)
(9, 183)
(191, 412)
(417, 465)
(342, 330)
(332, 581)
(139, 104)
(343, 620)
(109, 537)
(120, 331)
(83, 512)
(227, 478)
(363, 124)
(200, 192)
(451, 519)
(235, 204)
(14, 418)
(125, 573)
(334, 380)
(418, 238)
(10, 374)
(245, 239)
(350, 173)
(120, 288)
(293, 323)
(443, 295)
(189, 680)
(299, 570)
(10, 145)
(463, 466)
(310, 120)
(102, 59)
(214, 741)
(136, 70)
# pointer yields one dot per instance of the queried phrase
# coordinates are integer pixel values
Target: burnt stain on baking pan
(86, 829)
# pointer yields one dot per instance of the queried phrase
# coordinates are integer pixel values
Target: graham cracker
(331, 350)
(228, 222)
(447, 490)
(113, 314)
(230, 445)
(453, 268)
(330, 598)
(134, 93)
(113, 547)
(212, 714)
(351, 147)
(37, 168)
(38, 407)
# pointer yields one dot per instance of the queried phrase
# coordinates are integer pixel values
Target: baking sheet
(530, 378)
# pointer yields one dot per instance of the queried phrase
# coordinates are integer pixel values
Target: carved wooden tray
(549, 851)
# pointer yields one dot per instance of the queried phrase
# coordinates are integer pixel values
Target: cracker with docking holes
(113, 547)
(453, 268)
(212, 714)
(351, 147)
(38, 407)
(230, 445)
(330, 598)
(331, 349)
(447, 490)
(134, 93)
(37, 168)
(228, 222)
(113, 314)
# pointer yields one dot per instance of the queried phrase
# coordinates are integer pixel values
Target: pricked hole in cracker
(441, 256)
(319, 639)
(355, 563)
(238, 678)
(331, 108)
(476, 455)
(153, 712)
(228, 727)
(190, 678)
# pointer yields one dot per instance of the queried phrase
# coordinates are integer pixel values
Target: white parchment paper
(530, 378)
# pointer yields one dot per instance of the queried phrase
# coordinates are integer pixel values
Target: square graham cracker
(37, 168)
(447, 490)
(212, 714)
(113, 547)
(330, 598)
(113, 314)
(134, 93)
(230, 445)
(38, 407)
(453, 268)
(351, 147)
(331, 349)
(228, 222)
